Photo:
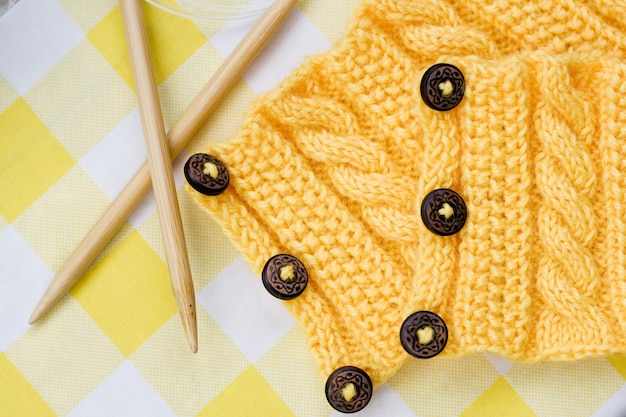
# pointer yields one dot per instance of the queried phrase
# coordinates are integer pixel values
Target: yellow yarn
(332, 167)
(425, 335)
(446, 88)
(446, 211)
(348, 392)
(210, 170)
(287, 273)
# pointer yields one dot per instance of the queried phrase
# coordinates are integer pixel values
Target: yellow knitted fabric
(332, 167)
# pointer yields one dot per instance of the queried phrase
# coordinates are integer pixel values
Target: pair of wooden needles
(160, 154)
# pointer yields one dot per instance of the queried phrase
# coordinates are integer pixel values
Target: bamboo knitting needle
(160, 164)
(189, 123)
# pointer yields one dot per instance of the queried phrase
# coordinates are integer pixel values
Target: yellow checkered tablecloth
(70, 139)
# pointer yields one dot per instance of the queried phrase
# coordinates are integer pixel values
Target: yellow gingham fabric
(70, 138)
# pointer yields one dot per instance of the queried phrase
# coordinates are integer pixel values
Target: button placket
(349, 389)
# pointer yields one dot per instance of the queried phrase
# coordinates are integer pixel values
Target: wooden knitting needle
(160, 164)
(189, 123)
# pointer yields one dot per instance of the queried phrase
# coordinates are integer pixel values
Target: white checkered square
(87, 14)
(295, 40)
(123, 394)
(615, 406)
(502, 364)
(34, 36)
(116, 158)
(23, 278)
(252, 318)
(143, 211)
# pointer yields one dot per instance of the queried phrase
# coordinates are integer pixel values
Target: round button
(206, 174)
(349, 389)
(444, 212)
(284, 276)
(442, 87)
(424, 334)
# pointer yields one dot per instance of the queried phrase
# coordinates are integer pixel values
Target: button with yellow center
(424, 334)
(206, 174)
(284, 276)
(442, 87)
(349, 389)
(444, 212)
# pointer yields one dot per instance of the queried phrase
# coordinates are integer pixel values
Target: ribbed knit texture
(333, 165)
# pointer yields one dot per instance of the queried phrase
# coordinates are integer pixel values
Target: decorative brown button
(424, 334)
(444, 212)
(442, 87)
(285, 277)
(349, 389)
(206, 174)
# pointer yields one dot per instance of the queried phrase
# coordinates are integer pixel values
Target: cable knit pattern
(333, 165)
